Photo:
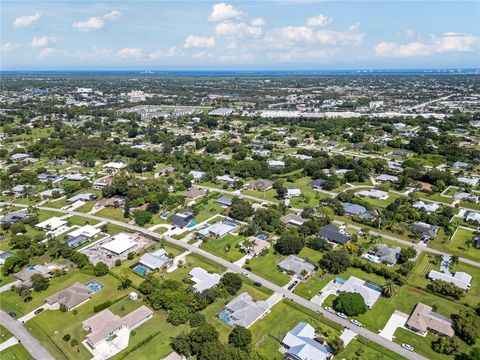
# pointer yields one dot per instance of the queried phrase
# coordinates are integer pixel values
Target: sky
(283, 34)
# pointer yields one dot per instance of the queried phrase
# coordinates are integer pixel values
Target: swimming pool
(94, 286)
(261, 236)
(141, 270)
(224, 316)
(191, 224)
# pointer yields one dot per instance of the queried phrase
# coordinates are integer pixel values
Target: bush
(118, 262)
(240, 337)
(447, 346)
(66, 337)
(289, 243)
(351, 304)
(232, 282)
(445, 288)
(465, 324)
(102, 306)
(335, 262)
(100, 269)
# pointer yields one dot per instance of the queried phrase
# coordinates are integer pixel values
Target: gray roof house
(155, 260)
(356, 210)
(387, 254)
(317, 184)
(301, 344)
(459, 279)
(14, 216)
(427, 231)
(72, 296)
(296, 265)
(243, 311)
(182, 219)
(333, 234)
(224, 201)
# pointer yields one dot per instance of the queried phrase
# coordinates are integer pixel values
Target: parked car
(38, 311)
(407, 347)
(342, 315)
(329, 309)
(292, 285)
(356, 322)
(244, 273)
(256, 283)
(13, 314)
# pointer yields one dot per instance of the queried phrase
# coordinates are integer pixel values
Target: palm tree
(453, 261)
(389, 289)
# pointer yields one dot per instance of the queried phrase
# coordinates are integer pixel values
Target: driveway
(347, 336)
(330, 289)
(398, 319)
(8, 286)
(32, 314)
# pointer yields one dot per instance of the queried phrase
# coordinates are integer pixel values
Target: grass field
(266, 266)
(362, 349)
(111, 213)
(460, 244)
(220, 248)
(4, 334)
(15, 352)
(192, 261)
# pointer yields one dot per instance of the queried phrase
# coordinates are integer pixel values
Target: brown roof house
(254, 246)
(72, 296)
(423, 319)
(292, 220)
(194, 193)
(105, 325)
(260, 185)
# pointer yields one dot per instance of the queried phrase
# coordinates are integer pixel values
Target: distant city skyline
(286, 34)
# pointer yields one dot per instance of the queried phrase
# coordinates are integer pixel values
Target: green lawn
(220, 247)
(459, 244)
(269, 195)
(15, 352)
(192, 261)
(363, 349)
(111, 213)
(267, 267)
(313, 285)
(4, 334)
(80, 221)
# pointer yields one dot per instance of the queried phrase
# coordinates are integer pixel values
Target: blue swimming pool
(261, 236)
(94, 286)
(191, 224)
(141, 270)
(224, 316)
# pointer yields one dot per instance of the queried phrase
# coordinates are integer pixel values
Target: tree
(100, 269)
(240, 337)
(336, 345)
(445, 288)
(142, 217)
(180, 314)
(66, 337)
(335, 262)
(63, 308)
(475, 353)
(39, 282)
(454, 259)
(125, 283)
(232, 282)
(104, 228)
(126, 209)
(351, 304)
(240, 209)
(389, 289)
(447, 346)
(197, 319)
(20, 242)
(465, 325)
(289, 243)
(407, 254)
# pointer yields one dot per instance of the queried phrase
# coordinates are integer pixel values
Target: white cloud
(26, 20)
(314, 55)
(43, 41)
(237, 29)
(319, 20)
(222, 11)
(171, 52)
(96, 22)
(112, 15)
(258, 22)
(127, 53)
(239, 58)
(7, 47)
(445, 43)
(195, 41)
(203, 55)
(47, 52)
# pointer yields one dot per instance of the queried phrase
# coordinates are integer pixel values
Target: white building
(203, 280)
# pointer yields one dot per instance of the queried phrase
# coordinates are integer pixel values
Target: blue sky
(285, 34)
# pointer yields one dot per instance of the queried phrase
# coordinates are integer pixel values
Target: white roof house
(120, 243)
(203, 280)
(469, 181)
(460, 279)
(197, 174)
(429, 207)
(219, 229)
(359, 286)
(117, 165)
(226, 178)
(385, 177)
(374, 193)
(301, 344)
(472, 216)
(155, 260)
(51, 224)
(293, 192)
(276, 163)
(88, 231)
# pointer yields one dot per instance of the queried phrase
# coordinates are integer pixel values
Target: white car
(342, 315)
(329, 309)
(356, 322)
(245, 274)
(407, 347)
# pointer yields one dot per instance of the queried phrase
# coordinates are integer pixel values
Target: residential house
(387, 254)
(243, 311)
(182, 219)
(333, 234)
(472, 216)
(260, 185)
(374, 193)
(424, 319)
(51, 224)
(70, 297)
(83, 197)
(14, 216)
(104, 326)
(385, 177)
(317, 184)
(292, 220)
(224, 201)
(155, 260)
(219, 229)
(102, 182)
(276, 163)
(300, 267)
(227, 179)
(464, 196)
(428, 207)
(426, 231)
(81, 235)
(368, 291)
(254, 246)
(197, 174)
(301, 344)
(4, 255)
(460, 279)
(203, 280)
(357, 210)
(292, 193)
(194, 193)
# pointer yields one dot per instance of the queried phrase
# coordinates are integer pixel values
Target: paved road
(33, 346)
(237, 269)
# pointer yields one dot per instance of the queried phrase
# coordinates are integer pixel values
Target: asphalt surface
(237, 269)
(33, 346)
